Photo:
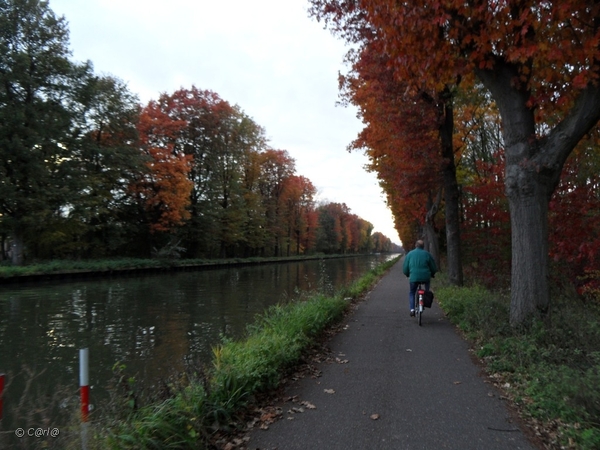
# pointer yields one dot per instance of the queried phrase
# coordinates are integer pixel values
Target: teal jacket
(419, 265)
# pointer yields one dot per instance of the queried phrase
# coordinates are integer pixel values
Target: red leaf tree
(539, 60)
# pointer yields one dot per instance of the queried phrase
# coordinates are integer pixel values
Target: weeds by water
(550, 370)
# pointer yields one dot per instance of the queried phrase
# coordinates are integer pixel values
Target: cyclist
(419, 266)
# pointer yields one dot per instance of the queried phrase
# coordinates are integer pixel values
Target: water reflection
(152, 324)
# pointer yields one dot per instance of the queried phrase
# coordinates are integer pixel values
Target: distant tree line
(88, 172)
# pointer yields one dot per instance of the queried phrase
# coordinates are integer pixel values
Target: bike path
(395, 385)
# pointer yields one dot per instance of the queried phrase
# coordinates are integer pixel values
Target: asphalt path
(394, 385)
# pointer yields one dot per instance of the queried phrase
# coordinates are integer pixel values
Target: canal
(153, 325)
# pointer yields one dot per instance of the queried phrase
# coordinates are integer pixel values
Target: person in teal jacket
(419, 266)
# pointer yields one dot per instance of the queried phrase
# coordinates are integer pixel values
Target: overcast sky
(267, 56)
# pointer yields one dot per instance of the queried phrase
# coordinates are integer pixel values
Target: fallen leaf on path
(308, 405)
(374, 416)
(341, 361)
(268, 417)
(329, 391)
(408, 350)
(458, 382)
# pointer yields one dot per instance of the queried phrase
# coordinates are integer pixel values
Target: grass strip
(241, 369)
(550, 370)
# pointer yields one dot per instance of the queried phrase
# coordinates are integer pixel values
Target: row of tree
(483, 113)
(86, 171)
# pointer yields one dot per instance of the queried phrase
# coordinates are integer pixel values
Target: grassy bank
(206, 402)
(551, 371)
(66, 267)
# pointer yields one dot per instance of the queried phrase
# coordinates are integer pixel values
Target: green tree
(331, 235)
(36, 80)
(107, 154)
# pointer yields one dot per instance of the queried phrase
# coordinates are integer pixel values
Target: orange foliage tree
(539, 60)
(298, 197)
(402, 140)
(164, 190)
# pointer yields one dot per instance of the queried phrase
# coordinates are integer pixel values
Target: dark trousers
(413, 291)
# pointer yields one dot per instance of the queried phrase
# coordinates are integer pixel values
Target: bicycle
(420, 300)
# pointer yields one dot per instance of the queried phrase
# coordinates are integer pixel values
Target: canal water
(152, 325)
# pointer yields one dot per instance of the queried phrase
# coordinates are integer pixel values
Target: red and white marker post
(84, 382)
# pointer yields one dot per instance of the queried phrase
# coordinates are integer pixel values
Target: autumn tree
(575, 216)
(298, 197)
(381, 243)
(539, 60)
(255, 229)
(485, 217)
(220, 138)
(340, 231)
(365, 229)
(164, 189)
(277, 167)
(403, 139)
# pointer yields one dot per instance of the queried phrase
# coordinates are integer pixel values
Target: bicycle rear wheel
(419, 309)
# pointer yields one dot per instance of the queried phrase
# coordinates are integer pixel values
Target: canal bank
(72, 270)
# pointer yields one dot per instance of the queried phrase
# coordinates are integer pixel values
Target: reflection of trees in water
(151, 324)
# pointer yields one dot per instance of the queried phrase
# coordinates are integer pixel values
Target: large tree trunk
(533, 169)
(529, 224)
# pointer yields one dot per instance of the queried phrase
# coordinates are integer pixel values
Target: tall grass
(551, 370)
(208, 401)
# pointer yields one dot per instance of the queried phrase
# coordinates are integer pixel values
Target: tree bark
(530, 294)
